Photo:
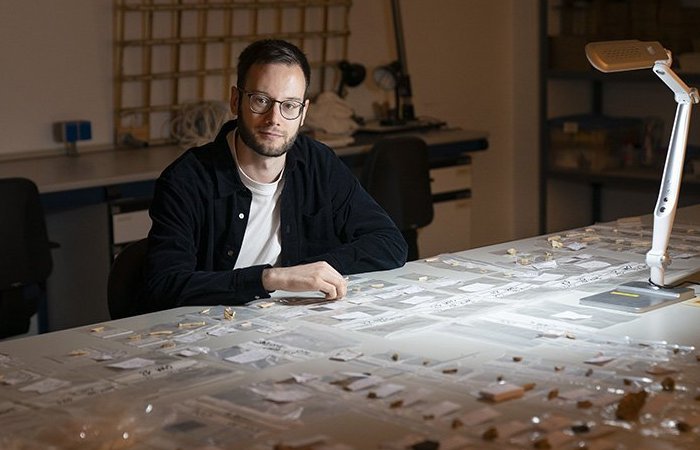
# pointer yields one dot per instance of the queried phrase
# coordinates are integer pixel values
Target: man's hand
(318, 276)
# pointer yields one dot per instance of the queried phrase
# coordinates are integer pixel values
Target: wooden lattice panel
(170, 53)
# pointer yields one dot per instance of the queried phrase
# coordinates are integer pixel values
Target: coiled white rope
(198, 123)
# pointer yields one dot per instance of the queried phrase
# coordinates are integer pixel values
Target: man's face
(269, 134)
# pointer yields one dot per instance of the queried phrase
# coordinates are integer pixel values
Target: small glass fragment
(490, 434)
(426, 445)
(542, 443)
(668, 384)
(160, 333)
(629, 406)
(683, 427)
(580, 428)
(188, 325)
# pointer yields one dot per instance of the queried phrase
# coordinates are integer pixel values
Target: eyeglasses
(261, 103)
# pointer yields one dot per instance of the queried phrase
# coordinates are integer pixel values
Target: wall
(472, 63)
(56, 64)
(525, 137)
(475, 66)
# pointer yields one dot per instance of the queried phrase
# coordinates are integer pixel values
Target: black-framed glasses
(261, 103)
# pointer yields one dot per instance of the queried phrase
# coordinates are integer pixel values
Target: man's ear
(307, 102)
(234, 100)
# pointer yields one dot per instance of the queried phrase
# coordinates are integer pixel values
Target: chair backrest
(25, 255)
(25, 250)
(397, 175)
(125, 280)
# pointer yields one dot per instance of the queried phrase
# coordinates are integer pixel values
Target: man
(263, 208)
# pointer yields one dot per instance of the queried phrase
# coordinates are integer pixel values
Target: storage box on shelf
(595, 143)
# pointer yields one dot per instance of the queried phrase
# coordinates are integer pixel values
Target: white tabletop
(428, 340)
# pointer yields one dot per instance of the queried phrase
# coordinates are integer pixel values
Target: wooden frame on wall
(171, 53)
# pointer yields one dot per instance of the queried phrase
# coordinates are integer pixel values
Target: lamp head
(619, 56)
(350, 75)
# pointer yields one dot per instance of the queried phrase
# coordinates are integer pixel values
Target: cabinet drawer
(451, 178)
(130, 226)
(450, 230)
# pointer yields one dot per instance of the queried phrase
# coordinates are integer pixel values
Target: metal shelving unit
(580, 21)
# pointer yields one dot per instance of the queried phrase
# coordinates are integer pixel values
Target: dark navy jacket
(200, 211)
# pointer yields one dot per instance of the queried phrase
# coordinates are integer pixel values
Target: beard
(251, 140)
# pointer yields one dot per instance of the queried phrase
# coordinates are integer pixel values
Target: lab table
(483, 348)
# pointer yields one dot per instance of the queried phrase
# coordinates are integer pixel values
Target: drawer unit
(451, 182)
(451, 178)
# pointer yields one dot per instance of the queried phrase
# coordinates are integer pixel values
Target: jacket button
(229, 253)
(241, 215)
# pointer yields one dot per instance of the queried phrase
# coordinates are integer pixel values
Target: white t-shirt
(262, 238)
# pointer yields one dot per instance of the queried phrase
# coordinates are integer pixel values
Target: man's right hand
(318, 276)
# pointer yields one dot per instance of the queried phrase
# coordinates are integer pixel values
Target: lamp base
(638, 297)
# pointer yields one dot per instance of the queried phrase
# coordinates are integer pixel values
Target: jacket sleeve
(180, 265)
(370, 239)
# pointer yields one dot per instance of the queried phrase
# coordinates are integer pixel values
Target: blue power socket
(70, 132)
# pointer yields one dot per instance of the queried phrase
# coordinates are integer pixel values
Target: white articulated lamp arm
(641, 296)
(664, 214)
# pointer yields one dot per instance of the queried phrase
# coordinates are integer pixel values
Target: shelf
(629, 177)
(571, 86)
(642, 76)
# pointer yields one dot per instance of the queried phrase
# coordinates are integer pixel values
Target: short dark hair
(270, 51)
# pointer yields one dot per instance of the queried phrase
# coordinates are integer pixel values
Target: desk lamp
(618, 56)
(395, 75)
(351, 75)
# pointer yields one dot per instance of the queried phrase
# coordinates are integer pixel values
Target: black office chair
(25, 255)
(397, 175)
(125, 280)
